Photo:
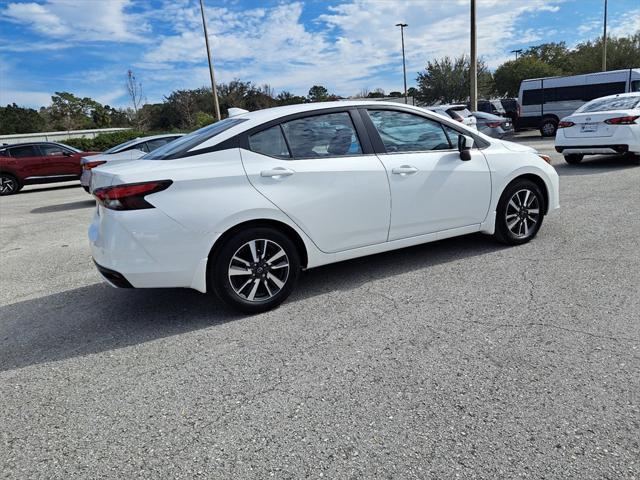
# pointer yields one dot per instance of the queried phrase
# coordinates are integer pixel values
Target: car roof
(28, 144)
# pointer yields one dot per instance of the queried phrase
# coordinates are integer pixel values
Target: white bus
(544, 101)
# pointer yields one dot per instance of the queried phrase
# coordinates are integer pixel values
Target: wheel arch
(264, 222)
(539, 181)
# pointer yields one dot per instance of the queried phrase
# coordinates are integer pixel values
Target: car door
(57, 160)
(432, 189)
(28, 161)
(317, 170)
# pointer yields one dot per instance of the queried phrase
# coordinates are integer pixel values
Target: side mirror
(465, 144)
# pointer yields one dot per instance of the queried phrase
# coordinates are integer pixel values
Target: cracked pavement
(456, 359)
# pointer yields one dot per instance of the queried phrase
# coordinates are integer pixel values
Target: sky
(87, 46)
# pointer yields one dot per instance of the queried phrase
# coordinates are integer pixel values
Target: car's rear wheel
(255, 270)
(520, 212)
(573, 158)
(548, 127)
(9, 184)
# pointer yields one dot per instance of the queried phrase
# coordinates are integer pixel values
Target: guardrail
(55, 136)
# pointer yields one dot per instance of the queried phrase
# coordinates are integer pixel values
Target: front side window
(270, 142)
(23, 152)
(635, 86)
(404, 132)
(52, 150)
(326, 135)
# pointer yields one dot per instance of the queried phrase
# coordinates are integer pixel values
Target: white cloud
(24, 98)
(628, 25)
(79, 20)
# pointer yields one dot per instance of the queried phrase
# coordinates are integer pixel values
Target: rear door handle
(277, 172)
(404, 170)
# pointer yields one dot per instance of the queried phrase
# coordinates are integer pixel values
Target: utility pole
(519, 50)
(404, 67)
(473, 70)
(213, 78)
(604, 40)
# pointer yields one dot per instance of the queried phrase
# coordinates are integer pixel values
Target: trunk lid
(592, 124)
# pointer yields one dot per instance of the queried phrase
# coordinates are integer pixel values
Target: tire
(9, 184)
(255, 286)
(573, 158)
(520, 212)
(548, 127)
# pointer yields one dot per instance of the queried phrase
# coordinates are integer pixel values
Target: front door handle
(404, 170)
(277, 172)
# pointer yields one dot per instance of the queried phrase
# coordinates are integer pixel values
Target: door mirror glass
(465, 144)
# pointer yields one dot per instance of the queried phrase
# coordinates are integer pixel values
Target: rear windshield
(182, 145)
(122, 146)
(611, 103)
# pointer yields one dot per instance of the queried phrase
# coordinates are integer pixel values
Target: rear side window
(156, 143)
(327, 135)
(270, 142)
(26, 151)
(404, 132)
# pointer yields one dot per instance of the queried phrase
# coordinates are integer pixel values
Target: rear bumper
(114, 278)
(592, 149)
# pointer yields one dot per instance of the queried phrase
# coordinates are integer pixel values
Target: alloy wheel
(7, 185)
(523, 213)
(258, 270)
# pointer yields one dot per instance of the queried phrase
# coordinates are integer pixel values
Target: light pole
(519, 50)
(404, 66)
(604, 40)
(213, 79)
(473, 70)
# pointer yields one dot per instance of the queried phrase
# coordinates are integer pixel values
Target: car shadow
(99, 318)
(43, 188)
(61, 207)
(596, 164)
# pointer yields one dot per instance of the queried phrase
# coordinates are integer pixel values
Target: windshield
(610, 103)
(182, 145)
(126, 144)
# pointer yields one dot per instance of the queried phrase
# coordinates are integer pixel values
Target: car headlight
(546, 158)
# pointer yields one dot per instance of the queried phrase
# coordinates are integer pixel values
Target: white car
(460, 113)
(241, 206)
(129, 150)
(607, 125)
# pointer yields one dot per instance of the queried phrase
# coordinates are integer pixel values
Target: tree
(288, 98)
(136, 94)
(377, 93)
(70, 112)
(396, 94)
(509, 75)
(447, 80)
(318, 93)
(15, 119)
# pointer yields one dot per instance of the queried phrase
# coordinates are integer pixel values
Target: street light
(213, 79)
(604, 40)
(404, 66)
(473, 68)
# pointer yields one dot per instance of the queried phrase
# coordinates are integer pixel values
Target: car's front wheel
(573, 158)
(548, 127)
(520, 212)
(255, 270)
(9, 184)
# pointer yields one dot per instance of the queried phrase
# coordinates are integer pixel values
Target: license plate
(589, 127)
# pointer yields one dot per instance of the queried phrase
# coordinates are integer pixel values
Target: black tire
(573, 158)
(523, 230)
(548, 127)
(9, 184)
(267, 294)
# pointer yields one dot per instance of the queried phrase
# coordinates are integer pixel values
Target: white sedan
(241, 206)
(607, 125)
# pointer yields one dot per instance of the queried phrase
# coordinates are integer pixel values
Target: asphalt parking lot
(457, 359)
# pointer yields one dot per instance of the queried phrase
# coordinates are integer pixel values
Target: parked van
(544, 101)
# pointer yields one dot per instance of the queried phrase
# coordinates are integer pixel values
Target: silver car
(129, 150)
(493, 125)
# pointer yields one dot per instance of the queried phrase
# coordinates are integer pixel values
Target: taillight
(565, 124)
(129, 196)
(622, 120)
(90, 165)
(494, 124)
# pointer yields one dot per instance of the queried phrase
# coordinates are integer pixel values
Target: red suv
(38, 162)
